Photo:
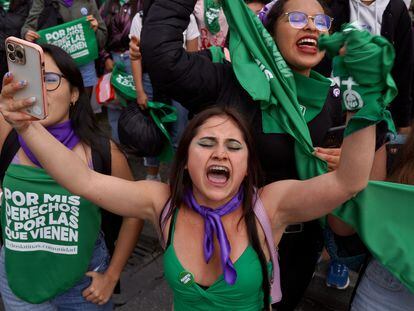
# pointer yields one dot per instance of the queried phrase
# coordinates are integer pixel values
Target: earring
(72, 104)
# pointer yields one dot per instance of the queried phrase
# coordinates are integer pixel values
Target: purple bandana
(67, 3)
(63, 132)
(213, 224)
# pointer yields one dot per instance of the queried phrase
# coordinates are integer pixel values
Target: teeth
(307, 40)
(219, 168)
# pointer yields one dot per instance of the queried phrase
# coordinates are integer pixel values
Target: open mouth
(307, 42)
(218, 174)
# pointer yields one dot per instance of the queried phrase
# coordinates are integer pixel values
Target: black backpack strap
(101, 159)
(10, 147)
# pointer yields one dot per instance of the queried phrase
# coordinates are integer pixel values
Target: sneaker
(338, 275)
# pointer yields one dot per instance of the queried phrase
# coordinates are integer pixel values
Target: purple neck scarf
(67, 3)
(63, 132)
(213, 224)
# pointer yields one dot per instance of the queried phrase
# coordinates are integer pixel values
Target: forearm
(31, 22)
(136, 66)
(356, 161)
(127, 239)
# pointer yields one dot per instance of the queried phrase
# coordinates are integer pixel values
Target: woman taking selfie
(61, 231)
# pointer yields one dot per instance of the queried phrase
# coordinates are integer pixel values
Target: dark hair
(180, 179)
(81, 115)
(403, 169)
(278, 9)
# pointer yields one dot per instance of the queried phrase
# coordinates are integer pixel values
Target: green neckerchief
(264, 74)
(217, 54)
(5, 4)
(122, 2)
(211, 15)
(365, 75)
(312, 92)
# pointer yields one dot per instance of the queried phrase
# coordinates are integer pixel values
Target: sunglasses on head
(299, 20)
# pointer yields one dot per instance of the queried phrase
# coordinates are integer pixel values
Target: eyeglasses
(53, 80)
(299, 20)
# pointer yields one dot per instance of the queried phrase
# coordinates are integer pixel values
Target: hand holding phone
(26, 63)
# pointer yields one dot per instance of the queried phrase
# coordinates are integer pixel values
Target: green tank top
(246, 294)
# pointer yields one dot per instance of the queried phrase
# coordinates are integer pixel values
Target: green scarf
(365, 75)
(383, 216)
(211, 15)
(312, 92)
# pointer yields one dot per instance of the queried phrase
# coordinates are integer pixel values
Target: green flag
(77, 38)
(263, 73)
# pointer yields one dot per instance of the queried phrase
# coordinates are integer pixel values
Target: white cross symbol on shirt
(349, 83)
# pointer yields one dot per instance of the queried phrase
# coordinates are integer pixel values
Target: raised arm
(190, 78)
(141, 199)
(298, 201)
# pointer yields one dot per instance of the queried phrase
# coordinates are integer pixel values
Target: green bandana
(211, 15)
(77, 38)
(123, 84)
(312, 93)
(49, 234)
(5, 4)
(162, 114)
(365, 74)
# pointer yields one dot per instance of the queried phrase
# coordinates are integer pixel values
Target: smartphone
(26, 62)
(334, 137)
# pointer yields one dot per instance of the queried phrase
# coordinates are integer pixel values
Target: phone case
(33, 72)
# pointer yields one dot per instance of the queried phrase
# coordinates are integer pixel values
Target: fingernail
(8, 75)
(23, 82)
(31, 100)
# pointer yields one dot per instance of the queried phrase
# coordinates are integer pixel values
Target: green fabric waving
(383, 216)
(49, 234)
(365, 75)
(211, 15)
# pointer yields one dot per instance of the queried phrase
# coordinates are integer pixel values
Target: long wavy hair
(180, 179)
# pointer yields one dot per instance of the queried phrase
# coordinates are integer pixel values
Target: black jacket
(12, 21)
(396, 27)
(194, 81)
